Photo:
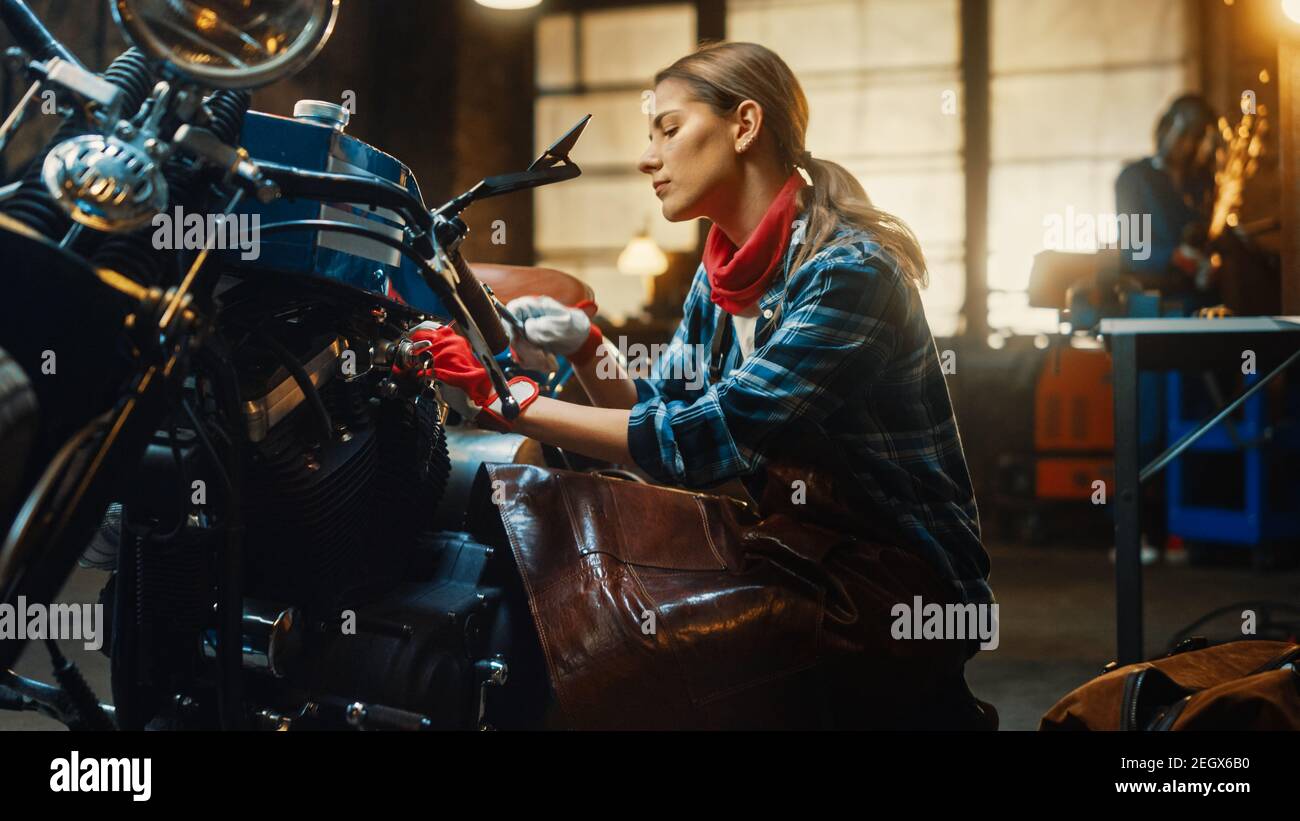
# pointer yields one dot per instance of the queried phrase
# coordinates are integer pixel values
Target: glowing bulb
(643, 258)
(1291, 8)
(205, 19)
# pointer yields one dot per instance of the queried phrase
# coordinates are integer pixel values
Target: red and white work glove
(556, 328)
(455, 364)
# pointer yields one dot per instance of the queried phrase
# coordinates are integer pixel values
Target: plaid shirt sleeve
(679, 373)
(836, 332)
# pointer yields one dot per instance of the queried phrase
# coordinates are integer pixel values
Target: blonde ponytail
(835, 196)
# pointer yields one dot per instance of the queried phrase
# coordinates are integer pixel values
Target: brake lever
(506, 314)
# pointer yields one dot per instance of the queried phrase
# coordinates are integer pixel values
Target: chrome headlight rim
(307, 45)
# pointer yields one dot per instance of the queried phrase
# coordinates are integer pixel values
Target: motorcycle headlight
(229, 43)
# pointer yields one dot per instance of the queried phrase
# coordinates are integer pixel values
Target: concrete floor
(1057, 614)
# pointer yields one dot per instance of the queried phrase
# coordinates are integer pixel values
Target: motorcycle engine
(332, 514)
(357, 611)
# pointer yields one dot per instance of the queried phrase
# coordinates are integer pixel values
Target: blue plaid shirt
(852, 360)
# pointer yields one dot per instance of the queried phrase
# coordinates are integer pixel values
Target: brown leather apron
(665, 608)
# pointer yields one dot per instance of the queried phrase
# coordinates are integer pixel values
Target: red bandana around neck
(739, 276)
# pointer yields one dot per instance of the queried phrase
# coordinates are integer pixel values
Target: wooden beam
(710, 20)
(1288, 146)
(975, 63)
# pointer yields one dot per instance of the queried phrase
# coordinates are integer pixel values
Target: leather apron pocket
(652, 610)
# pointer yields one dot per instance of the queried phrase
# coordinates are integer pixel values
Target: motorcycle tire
(18, 427)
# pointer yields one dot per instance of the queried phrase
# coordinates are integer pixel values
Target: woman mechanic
(822, 364)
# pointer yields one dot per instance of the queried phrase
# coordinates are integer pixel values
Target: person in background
(1175, 187)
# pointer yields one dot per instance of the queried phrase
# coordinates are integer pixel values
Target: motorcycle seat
(511, 281)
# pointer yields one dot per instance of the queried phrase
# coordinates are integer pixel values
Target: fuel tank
(314, 139)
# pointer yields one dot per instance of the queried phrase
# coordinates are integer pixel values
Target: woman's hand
(560, 330)
(455, 364)
(555, 328)
(600, 433)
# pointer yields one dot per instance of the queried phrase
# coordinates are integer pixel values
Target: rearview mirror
(552, 165)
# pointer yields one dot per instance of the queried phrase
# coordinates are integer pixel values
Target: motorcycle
(206, 389)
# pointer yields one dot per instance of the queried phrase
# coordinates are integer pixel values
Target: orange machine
(1074, 436)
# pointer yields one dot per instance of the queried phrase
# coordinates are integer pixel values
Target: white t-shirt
(745, 327)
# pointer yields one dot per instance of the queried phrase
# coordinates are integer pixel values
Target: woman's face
(691, 159)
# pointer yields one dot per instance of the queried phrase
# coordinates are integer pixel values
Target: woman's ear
(749, 123)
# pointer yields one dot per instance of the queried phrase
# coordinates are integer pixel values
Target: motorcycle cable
(211, 451)
(291, 364)
(230, 710)
(87, 713)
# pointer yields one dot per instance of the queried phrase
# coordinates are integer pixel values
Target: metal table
(1164, 345)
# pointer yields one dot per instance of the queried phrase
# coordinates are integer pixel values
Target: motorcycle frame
(62, 511)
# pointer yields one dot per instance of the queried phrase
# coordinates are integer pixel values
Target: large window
(883, 83)
(599, 63)
(1076, 89)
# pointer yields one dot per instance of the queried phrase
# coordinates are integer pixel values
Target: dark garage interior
(1082, 366)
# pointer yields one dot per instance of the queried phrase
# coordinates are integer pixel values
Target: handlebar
(479, 306)
(325, 185)
(31, 34)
